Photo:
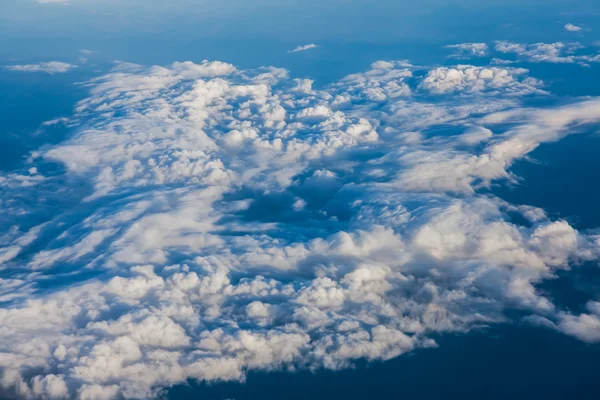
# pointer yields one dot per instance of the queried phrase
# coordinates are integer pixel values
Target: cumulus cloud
(212, 221)
(470, 79)
(466, 50)
(51, 67)
(304, 48)
(572, 28)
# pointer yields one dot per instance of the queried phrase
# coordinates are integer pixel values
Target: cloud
(586, 327)
(209, 221)
(558, 53)
(470, 79)
(466, 50)
(572, 28)
(52, 67)
(304, 48)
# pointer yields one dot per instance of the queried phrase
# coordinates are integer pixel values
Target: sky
(282, 199)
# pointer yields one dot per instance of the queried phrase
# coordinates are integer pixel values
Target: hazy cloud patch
(51, 67)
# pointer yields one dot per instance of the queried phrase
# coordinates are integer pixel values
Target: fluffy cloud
(211, 221)
(304, 48)
(585, 326)
(572, 28)
(470, 79)
(51, 67)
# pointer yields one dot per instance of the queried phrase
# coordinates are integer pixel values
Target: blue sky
(228, 199)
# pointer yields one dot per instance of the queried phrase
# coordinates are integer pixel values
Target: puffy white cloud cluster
(470, 79)
(384, 81)
(51, 67)
(212, 221)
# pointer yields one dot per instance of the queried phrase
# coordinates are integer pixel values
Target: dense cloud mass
(202, 222)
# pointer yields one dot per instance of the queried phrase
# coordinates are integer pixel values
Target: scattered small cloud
(466, 50)
(56, 121)
(499, 61)
(572, 28)
(304, 48)
(51, 67)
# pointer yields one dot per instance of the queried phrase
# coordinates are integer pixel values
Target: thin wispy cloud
(51, 67)
(466, 50)
(304, 48)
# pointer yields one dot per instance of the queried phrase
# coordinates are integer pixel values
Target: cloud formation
(466, 50)
(470, 79)
(211, 221)
(51, 67)
(304, 48)
(572, 28)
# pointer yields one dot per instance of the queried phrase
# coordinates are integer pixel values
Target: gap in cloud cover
(555, 178)
(29, 100)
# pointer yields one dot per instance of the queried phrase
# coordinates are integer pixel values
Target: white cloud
(466, 50)
(213, 221)
(558, 52)
(304, 48)
(585, 327)
(51, 67)
(572, 28)
(470, 79)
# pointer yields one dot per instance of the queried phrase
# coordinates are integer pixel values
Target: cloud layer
(205, 221)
